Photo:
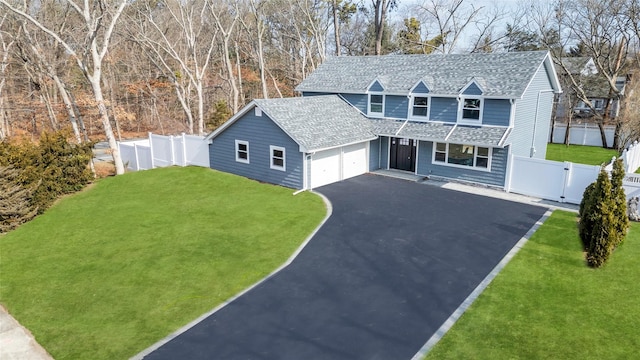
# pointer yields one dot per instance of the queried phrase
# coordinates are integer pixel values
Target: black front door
(403, 154)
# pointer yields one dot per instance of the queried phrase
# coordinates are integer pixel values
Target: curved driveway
(390, 265)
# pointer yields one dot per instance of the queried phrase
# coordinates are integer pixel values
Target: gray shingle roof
(502, 74)
(443, 132)
(318, 122)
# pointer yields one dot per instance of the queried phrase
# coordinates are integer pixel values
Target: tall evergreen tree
(601, 242)
(620, 202)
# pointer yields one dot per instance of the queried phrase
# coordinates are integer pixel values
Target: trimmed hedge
(49, 169)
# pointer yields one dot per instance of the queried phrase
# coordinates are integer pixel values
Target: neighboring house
(596, 88)
(449, 116)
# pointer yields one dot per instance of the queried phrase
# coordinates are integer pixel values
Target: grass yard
(579, 154)
(107, 272)
(547, 304)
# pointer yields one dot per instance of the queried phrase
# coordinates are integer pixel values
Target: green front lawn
(547, 304)
(579, 154)
(109, 271)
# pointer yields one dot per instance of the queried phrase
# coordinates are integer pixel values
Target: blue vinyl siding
(444, 109)
(260, 132)
(525, 121)
(374, 154)
(357, 100)
(376, 86)
(496, 112)
(384, 154)
(495, 177)
(473, 89)
(396, 106)
(421, 89)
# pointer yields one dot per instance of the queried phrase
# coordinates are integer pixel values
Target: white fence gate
(551, 180)
(161, 151)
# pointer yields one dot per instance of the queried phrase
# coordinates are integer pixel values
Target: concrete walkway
(16, 342)
(479, 190)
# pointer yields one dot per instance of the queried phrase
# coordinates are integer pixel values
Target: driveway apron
(390, 265)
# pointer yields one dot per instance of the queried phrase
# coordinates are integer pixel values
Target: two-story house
(449, 116)
(596, 87)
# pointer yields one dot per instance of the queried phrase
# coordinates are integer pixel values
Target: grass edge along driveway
(547, 304)
(109, 271)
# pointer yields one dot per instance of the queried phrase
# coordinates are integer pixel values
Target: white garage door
(337, 164)
(354, 160)
(325, 167)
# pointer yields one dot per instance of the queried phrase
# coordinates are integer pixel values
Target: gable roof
(579, 65)
(503, 74)
(314, 123)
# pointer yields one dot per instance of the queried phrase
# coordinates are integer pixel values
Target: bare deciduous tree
(6, 43)
(450, 19)
(98, 19)
(182, 44)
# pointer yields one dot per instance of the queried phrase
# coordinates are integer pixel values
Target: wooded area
(110, 69)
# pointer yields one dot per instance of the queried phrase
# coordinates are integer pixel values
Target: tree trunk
(4, 121)
(94, 80)
(603, 135)
(263, 80)
(567, 132)
(68, 107)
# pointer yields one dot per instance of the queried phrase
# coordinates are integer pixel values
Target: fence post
(507, 185)
(153, 165)
(135, 152)
(184, 150)
(635, 155)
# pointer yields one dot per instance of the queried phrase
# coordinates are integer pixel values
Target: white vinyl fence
(550, 180)
(631, 157)
(565, 181)
(161, 151)
(582, 134)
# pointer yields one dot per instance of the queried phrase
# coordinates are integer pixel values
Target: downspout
(535, 123)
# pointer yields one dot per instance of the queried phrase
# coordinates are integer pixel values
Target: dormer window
(376, 105)
(471, 109)
(420, 107)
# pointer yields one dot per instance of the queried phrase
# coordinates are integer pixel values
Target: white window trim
(271, 157)
(475, 158)
(239, 159)
(415, 117)
(375, 114)
(463, 121)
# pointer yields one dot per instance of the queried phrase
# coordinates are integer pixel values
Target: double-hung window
(462, 155)
(242, 151)
(376, 105)
(278, 159)
(420, 107)
(471, 109)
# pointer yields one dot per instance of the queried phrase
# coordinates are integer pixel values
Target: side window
(278, 159)
(242, 151)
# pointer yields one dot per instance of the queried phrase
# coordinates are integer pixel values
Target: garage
(337, 164)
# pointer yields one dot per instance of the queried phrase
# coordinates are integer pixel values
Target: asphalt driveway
(390, 265)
